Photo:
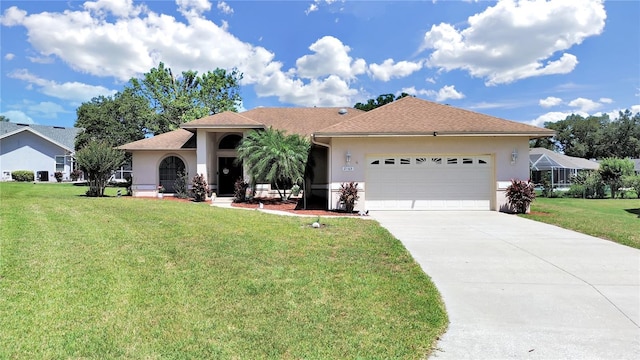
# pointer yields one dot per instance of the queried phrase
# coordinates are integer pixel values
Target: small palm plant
(273, 157)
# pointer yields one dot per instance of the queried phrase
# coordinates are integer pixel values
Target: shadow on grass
(633, 211)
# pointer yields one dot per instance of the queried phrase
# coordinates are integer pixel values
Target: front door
(228, 173)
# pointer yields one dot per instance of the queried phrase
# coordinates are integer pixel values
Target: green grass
(142, 278)
(613, 219)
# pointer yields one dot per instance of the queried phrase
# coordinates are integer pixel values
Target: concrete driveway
(516, 288)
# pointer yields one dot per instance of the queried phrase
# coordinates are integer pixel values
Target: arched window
(168, 171)
(230, 142)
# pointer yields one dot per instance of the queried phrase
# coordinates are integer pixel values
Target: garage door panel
(446, 185)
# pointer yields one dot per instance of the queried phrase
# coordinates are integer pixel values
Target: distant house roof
(62, 136)
(545, 159)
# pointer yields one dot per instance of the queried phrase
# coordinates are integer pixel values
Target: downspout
(313, 141)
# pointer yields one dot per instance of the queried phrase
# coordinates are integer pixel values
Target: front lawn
(144, 278)
(613, 219)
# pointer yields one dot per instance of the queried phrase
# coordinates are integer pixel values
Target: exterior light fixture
(514, 156)
(348, 157)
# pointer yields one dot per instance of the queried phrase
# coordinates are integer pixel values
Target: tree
(98, 160)
(116, 120)
(175, 100)
(4, 118)
(621, 137)
(379, 101)
(612, 171)
(595, 137)
(274, 157)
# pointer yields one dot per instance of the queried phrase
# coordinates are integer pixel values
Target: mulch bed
(292, 206)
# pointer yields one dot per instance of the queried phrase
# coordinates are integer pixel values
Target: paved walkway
(516, 288)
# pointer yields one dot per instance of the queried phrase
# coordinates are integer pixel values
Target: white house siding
(27, 151)
(499, 149)
(145, 169)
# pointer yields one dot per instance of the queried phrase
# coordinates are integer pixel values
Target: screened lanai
(561, 167)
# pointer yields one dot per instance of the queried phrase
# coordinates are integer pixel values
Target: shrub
(349, 195)
(200, 189)
(632, 181)
(129, 184)
(520, 195)
(240, 190)
(547, 187)
(58, 176)
(612, 170)
(76, 174)
(22, 175)
(98, 160)
(587, 184)
(180, 185)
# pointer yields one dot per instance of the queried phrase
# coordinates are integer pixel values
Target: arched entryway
(168, 170)
(228, 170)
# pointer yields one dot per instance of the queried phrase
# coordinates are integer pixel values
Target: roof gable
(60, 136)
(173, 140)
(413, 116)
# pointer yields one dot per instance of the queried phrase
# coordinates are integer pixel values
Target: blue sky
(528, 61)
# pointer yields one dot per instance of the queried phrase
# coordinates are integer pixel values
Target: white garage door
(428, 182)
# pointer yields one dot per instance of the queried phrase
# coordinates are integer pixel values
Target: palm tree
(274, 157)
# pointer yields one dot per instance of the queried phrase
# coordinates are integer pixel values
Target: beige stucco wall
(500, 148)
(145, 169)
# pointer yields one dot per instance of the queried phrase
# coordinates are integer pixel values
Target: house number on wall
(347, 168)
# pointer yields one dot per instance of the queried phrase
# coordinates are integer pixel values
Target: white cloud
(224, 7)
(122, 8)
(13, 16)
(41, 59)
(193, 8)
(331, 57)
(18, 117)
(550, 101)
(493, 45)
(135, 39)
(448, 92)
(585, 105)
(445, 93)
(606, 100)
(311, 8)
(45, 109)
(388, 69)
(9, 56)
(71, 91)
(553, 117)
(315, 6)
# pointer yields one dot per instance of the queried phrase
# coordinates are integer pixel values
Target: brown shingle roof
(302, 121)
(223, 120)
(413, 116)
(407, 116)
(173, 140)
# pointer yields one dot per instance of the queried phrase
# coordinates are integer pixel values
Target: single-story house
(562, 168)
(42, 149)
(408, 154)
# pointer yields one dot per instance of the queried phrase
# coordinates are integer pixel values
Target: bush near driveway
(123, 277)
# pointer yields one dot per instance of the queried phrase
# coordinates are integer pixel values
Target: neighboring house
(409, 154)
(41, 149)
(636, 165)
(561, 168)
